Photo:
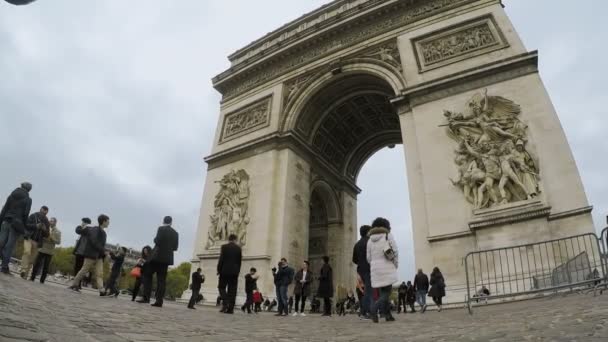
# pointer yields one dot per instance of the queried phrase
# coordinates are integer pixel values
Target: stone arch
(326, 193)
(295, 107)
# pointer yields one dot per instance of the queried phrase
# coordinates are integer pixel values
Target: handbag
(388, 251)
(136, 272)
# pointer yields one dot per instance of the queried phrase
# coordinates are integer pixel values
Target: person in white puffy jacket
(383, 258)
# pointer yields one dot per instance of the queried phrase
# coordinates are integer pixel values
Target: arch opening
(348, 120)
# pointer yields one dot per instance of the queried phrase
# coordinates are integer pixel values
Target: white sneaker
(303, 314)
(295, 314)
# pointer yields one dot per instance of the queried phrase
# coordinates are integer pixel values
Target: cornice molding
(396, 14)
(570, 213)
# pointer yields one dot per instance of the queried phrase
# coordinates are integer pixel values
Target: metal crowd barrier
(518, 272)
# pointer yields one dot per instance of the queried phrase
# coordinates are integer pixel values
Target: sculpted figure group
(231, 209)
(494, 167)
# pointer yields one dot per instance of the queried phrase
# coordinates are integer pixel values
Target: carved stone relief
(247, 120)
(494, 166)
(231, 209)
(454, 44)
(357, 33)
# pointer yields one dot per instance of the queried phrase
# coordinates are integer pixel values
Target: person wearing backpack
(383, 257)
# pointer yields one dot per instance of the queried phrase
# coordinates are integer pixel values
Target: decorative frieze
(456, 43)
(246, 120)
(400, 16)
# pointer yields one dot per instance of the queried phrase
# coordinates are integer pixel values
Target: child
(257, 300)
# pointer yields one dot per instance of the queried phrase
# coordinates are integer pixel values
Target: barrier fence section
(519, 271)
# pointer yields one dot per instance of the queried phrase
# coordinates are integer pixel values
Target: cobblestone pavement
(35, 312)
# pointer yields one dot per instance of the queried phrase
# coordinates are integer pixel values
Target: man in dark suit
(13, 219)
(166, 242)
(228, 269)
(197, 280)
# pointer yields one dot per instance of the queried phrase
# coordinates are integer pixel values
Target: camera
(274, 269)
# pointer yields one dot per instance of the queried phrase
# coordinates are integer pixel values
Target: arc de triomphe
(305, 106)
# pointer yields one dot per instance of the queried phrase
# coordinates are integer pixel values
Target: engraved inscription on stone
(465, 41)
(494, 165)
(246, 120)
(231, 209)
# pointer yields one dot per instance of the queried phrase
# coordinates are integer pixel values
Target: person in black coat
(251, 280)
(79, 258)
(401, 294)
(143, 265)
(165, 244)
(197, 281)
(326, 286)
(421, 285)
(301, 290)
(36, 230)
(13, 218)
(437, 291)
(118, 259)
(410, 297)
(228, 269)
(363, 269)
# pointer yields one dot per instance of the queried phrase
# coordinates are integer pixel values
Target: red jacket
(257, 297)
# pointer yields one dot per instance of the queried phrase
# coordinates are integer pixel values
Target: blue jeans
(8, 240)
(368, 293)
(283, 299)
(382, 303)
(421, 297)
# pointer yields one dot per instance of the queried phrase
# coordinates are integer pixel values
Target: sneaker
(303, 314)
(295, 314)
(423, 308)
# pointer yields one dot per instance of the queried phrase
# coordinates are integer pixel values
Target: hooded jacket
(383, 271)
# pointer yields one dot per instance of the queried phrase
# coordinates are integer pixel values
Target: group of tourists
(41, 235)
(377, 258)
(375, 254)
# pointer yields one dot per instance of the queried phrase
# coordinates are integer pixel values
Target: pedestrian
(326, 286)
(46, 252)
(119, 259)
(79, 258)
(13, 219)
(142, 264)
(421, 285)
(258, 299)
(410, 297)
(166, 243)
(360, 259)
(437, 291)
(197, 281)
(283, 278)
(93, 250)
(36, 229)
(401, 294)
(383, 257)
(251, 280)
(228, 269)
(301, 290)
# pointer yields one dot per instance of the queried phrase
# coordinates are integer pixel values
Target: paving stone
(34, 312)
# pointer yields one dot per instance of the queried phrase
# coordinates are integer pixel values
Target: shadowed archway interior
(350, 119)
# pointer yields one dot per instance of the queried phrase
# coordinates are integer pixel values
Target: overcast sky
(107, 106)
